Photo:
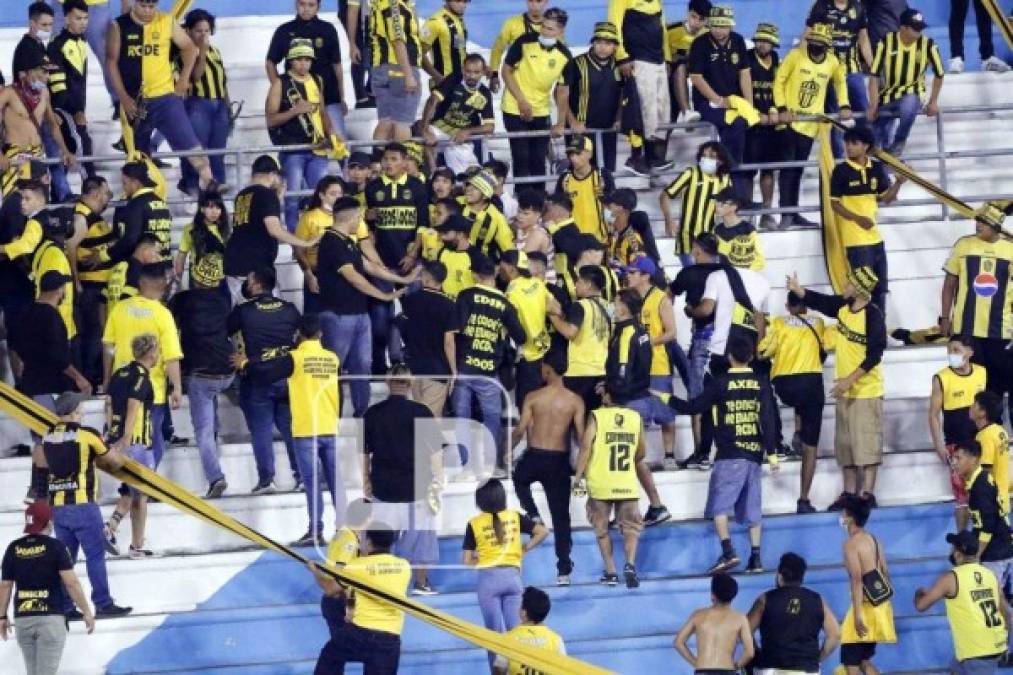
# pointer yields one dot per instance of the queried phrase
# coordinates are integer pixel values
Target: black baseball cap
(139, 172)
(912, 18)
(360, 159)
(455, 222)
(53, 280)
(266, 164)
(966, 542)
(728, 195)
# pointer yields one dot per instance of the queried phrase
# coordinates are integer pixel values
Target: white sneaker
(956, 65)
(994, 64)
(670, 464)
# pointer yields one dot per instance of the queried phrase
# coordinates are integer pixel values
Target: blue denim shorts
(393, 103)
(167, 114)
(735, 489)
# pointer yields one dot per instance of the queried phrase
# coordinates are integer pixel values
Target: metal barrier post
(599, 148)
(941, 149)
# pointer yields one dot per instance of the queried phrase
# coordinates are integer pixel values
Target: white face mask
(547, 42)
(44, 35)
(842, 521)
(956, 360)
(38, 85)
(609, 217)
(709, 165)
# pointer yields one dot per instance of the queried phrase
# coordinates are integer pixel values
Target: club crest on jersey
(986, 285)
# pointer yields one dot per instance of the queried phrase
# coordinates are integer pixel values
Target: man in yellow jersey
(586, 327)
(794, 345)
(458, 255)
(978, 292)
(680, 36)
(976, 608)
(587, 186)
(858, 379)
(557, 217)
(986, 413)
(490, 231)
(50, 256)
(373, 636)
(395, 51)
(72, 451)
(296, 115)
(343, 548)
(145, 313)
(535, 606)
(612, 447)
(953, 392)
(533, 75)
(857, 186)
(658, 319)
(800, 88)
(528, 23)
(445, 40)
(533, 302)
(138, 56)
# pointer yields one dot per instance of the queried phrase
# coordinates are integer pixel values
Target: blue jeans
(699, 355)
(337, 119)
(158, 415)
(349, 336)
(301, 170)
(386, 338)
(858, 96)
(265, 406)
(203, 394)
(60, 187)
(167, 115)
(499, 598)
(307, 451)
(210, 121)
(490, 403)
(79, 526)
(896, 126)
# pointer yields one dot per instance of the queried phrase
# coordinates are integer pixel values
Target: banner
(179, 10)
(1001, 20)
(39, 420)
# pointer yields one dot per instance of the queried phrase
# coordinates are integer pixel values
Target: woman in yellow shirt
(492, 543)
(205, 236)
(315, 220)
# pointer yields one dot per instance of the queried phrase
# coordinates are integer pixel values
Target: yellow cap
(821, 34)
(722, 16)
(992, 214)
(300, 49)
(767, 32)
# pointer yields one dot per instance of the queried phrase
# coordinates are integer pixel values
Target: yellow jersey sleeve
(92, 440)
(26, 243)
(344, 547)
(186, 240)
(952, 265)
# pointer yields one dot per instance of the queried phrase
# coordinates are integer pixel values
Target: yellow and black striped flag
(1001, 20)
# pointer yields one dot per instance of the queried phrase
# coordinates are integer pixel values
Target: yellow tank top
(530, 297)
(588, 351)
(650, 317)
(959, 390)
(612, 469)
(389, 574)
(975, 614)
(313, 390)
(493, 553)
(459, 277)
(539, 636)
(995, 452)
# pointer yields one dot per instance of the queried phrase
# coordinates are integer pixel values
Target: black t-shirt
(763, 80)
(14, 281)
(459, 108)
(28, 50)
(132, 381)
(790, 630)
(45, 350)
(692, 281)
(144, 213)
(719, 65)
(326, 47)
(336, 293)
(202, 315)
(485, 318)
(251, 246)
(34, 563)
(267, 325)
(595, 89)
(399, 207)
(394, 442)
(845, 24)
(426, 316)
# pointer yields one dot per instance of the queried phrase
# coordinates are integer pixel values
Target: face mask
(709, 165)
(610, 217)
(842, 521)
(38, 85)
(953, 559)
(956, 360)
(547, 42)
(44, 34)
(817, 53)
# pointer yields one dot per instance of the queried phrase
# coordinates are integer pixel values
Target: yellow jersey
(650, 317)
(480, 537)
(587, 194)
(344, 547)
(388, 573)
(537, 71)
(793, 345)
(459, 276)
(312, 224)
(26, 243)
(679, 41)
(539, 636)
(588, 351)
(612, 467)
(849, 339)
(995, 454)
(958, 396)
(70, 451)
(977, 624)
(697, 214)
(490, 231)
(801, 85)
(530, 298)
(985, 289)
(136, 316)
(313, 390)
(145, 62)
(385, 28)
(447, 36)
(858, 188)
(742, 237)
(50, 258)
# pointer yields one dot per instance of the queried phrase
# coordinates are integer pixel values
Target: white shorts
(458, 156)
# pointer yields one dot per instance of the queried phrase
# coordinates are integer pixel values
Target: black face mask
(816, 53)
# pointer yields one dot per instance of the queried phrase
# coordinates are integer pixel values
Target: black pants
(552, 470)
(359, 71)
(333, 610)
(90, 305)
(997, 360)
(797, 149)
(528, 379)
(874, 256)
(958, 14)
(527, 154)
(377, 651)
(716, 367)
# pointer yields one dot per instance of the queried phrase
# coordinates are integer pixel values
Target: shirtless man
(547, 416)
(25, 107)
(861, 630)
(719, 629)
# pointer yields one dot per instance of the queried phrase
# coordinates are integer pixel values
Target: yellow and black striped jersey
(587, 194)
(391, 21)
(985, 287)
(70, 451)
(213, 82)
(513, 28)
(447, 36)
(902, 67)
(698, 190)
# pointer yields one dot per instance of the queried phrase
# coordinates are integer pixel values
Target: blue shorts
(735, 490)
(167, 115)
(142, 454)
(651, 408)
(393, 103)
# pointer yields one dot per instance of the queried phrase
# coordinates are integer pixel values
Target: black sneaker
(120, 146)
(216, 489)
(804, 506)
(74, 615)
(22, 450)
(656, 515)
(638, 166)
(630, 575)
(111, 611)
(310, 539)
(870, 499)
(139, 553)
(755, 565)
(691, 462)
(725, 563)
(607, 579)
(802, 221)
(705, 463)
(783, 450)
(264, 488)
(424, 589)
(109, 540)
(363, 103)
(838, 504)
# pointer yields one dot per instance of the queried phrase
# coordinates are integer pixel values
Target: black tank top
(790, 630)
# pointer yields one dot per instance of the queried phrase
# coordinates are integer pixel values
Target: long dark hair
(490, 498)
(204, 241)
(724, 159)
(323, 185)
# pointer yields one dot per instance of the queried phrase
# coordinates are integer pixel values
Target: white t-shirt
(720, 291)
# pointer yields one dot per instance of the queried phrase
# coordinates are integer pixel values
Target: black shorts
(992, 355)
(805, 394)
(855, 653)
(584, 386)
(764, 144)
(874, 256)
